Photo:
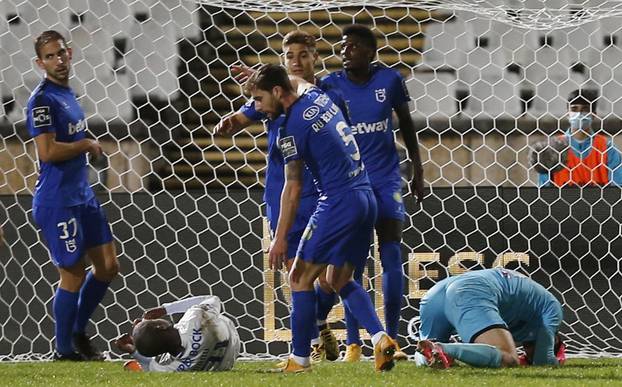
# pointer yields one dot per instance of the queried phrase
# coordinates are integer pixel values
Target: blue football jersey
(275, 173)
(54, 109)
(370, 107)
(315, 131)
(522, 302)
(336, 95)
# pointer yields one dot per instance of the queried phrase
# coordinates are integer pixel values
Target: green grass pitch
(577, 372)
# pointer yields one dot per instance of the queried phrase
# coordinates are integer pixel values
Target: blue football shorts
(306, 207)
(390, 201)
(340, 229)
(471, 307)
(70, 231)
(433, 322)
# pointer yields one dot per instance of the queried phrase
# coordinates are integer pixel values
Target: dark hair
(299, 37)
(149, 338)
(45, 38)
(584, 97)
(366, 35)
(268, 76)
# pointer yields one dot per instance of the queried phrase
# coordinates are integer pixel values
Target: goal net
(488, 79)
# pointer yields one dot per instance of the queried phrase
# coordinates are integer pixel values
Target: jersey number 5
(348, 138)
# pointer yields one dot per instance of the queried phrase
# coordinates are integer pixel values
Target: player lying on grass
(492, 310)
(203, 340)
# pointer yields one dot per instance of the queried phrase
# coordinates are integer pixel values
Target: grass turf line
(577, 372)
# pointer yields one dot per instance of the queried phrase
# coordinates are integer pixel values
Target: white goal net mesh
(487, 79)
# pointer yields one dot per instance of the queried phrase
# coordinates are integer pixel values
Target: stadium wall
(454, 152)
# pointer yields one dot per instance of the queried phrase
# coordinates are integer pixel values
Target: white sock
(303, 361)
(315, 341)
(376, 338)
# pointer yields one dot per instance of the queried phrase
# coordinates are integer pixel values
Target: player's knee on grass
(530, 355)
(503, 341)
(509, 359)
(545, 348)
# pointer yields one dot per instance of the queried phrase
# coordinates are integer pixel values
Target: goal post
(486, 80)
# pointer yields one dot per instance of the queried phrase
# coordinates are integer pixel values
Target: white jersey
(209, 339)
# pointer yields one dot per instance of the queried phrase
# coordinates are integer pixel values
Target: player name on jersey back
(316, 131)
(325, 117)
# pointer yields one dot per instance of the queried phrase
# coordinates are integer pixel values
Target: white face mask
(580, 120)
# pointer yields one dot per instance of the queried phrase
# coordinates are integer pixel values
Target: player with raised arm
(373, 93)
(338, 235)
(492, 311)
(64, 206)
(300, 57)
(203, 339)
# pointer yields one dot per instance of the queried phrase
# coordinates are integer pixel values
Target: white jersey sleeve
(210, 341)
(182, 306)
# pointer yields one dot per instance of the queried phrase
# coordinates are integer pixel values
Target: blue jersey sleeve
(327, 82)
(248, 109)
(336, 95)
(39, 116)
(293, 139)
(399, 92)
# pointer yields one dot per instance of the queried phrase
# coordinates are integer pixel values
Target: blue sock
(65, 307)
(392, 285)
(91, 294)
(303, 321)
(352, 324)
(325, 302)
(357, 300)
(478, 355)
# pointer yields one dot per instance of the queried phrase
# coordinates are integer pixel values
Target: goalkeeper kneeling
(492, 311)
(202, 340)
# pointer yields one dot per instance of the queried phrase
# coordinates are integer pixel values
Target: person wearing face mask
(591, 158)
